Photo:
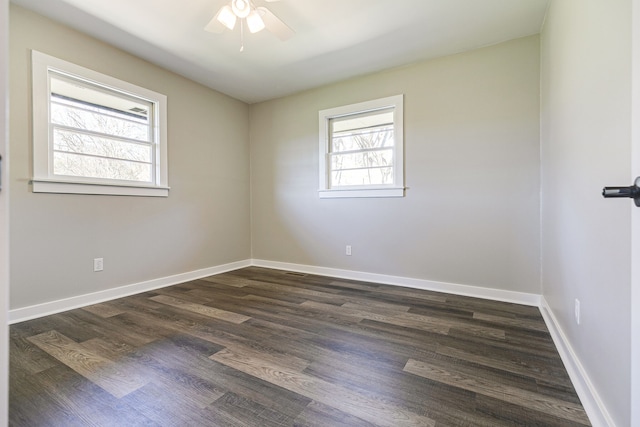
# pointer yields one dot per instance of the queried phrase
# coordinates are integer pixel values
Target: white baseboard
(58, 306)
(53, 307)
(428, 285)
(593, 405)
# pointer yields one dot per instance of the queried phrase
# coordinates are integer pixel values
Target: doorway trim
(4, 214)
(635, 214)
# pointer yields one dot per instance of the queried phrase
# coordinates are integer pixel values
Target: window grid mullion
(55, 126)
(363, 131)
(364, 150)
(97, 156)
(362, 168)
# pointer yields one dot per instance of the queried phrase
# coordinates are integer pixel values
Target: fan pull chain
(242, 35)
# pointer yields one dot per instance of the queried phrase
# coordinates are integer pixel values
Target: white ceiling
(335, 39)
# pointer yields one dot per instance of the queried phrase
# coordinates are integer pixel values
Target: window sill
(361, 193)
(64, 187)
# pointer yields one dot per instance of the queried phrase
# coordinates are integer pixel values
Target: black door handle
(632, 192)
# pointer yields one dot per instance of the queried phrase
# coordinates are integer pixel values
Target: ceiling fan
(255, 18)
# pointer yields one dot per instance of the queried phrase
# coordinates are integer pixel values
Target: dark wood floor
(259, 347)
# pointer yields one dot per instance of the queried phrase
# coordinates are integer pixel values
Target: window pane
(365, 159)
(371, 138)
(68, 113)
(362, 131)
(95, 167)
(354, 122)
(74, 142)
(372, 176)
(83, 105)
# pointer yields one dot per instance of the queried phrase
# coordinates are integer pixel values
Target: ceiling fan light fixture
(227, 17)
(241, 8)
(255, 22)
(257, 19)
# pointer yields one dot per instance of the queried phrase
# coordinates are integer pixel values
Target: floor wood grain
(260, 347)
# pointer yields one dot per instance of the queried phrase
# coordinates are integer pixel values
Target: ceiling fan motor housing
(241, 8)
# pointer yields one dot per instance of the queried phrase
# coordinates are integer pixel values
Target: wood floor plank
(513, 364)
(302, 316)
(87, 400)
(103, 310)
(467, 327)
(33, 403)
(318, 415)
(434, 400)
(509, 414)
(101, 371)
(171, 363)
(201, 309)
(166, 407)
(519, 323)
(223, 338)
(411, 294)
(502, 309)
(25, 357)
(115, 327)
(112, 350)
(235, 282)
(202, 292)
(247, 412)
(321, 296)
(196, 391)
(377, 307)
(462, 325)
(421, 324)
(547, 405)
(377, 411)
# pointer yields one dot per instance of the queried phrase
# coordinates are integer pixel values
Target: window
(94, 134)
(361, 149)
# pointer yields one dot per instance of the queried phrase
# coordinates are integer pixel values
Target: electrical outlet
(348, 250)
(577, 311)
(98, 264)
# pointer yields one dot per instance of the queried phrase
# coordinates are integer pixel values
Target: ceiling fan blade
(215, 26)
(275, 25)
(271, 1)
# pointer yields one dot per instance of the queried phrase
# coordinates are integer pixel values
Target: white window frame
(44, 180)
(397, 188)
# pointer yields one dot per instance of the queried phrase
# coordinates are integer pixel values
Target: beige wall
(471, 211)
(585, 140)
(203, 223)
